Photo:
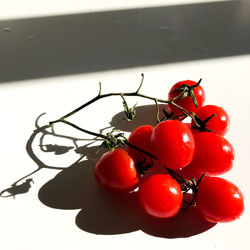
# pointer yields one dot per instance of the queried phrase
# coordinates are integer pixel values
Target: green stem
(98, 97)
(142, 79)
(139, 149)
(136, 94)
(196, 85)
(84, 130)
(157, 111)
(101, 96)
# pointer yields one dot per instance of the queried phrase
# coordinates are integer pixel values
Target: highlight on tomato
(173, 144)
(213, 154)
(116, 171)
(193, 96)
(219, 200)
(213, 118)
(141, 139)
(160, 196)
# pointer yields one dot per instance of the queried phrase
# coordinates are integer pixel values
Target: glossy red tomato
(173, 144)
(189, 173)
(115, 170)
(213, 153)
(160, 196)
(219, 200)
(192, 129)
(218, 123)
(187, 102)
(141, 138)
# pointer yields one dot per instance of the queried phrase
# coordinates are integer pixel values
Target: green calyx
(129, 112)
(113, 140)
(186, 91)
(201, 125)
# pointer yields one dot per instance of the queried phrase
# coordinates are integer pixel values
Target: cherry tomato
(213, 153)
(141, 138)
(219, 200)
(219, 123)
(173, 144)
(115, 170)
(189, 173)
(186, 103)
(160, 196)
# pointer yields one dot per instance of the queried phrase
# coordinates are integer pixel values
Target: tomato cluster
(190, 156)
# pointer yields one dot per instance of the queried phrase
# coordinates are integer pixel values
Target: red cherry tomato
(115, 170)
(189, 173)
(173, 144)
(213, 154)
(141, 138)
(218, 123)
(186, 103)
(160, 196)
(219, 200)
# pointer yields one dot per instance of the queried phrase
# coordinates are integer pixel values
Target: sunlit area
(124, 124)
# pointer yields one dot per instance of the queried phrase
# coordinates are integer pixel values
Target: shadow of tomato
(102, 212)
(106, 213)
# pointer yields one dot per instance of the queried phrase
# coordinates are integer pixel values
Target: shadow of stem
(103, 212)
(20, 188)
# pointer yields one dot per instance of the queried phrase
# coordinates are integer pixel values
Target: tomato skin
(189, 173)
(187, 103)
(141, 138)
(173, 144)
(213, 155)
(219, 200)
(219, 123)
(160, 196)
(115, 170)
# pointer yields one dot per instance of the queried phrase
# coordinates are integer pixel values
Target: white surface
(15, 9)
(26, 223)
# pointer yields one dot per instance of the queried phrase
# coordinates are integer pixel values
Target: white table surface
(65, 209)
